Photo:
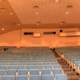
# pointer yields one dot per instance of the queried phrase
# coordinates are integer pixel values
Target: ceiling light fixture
(11, 13)
(18, 24)
(36, 12)
(67, 12)
(3, 29)
(56, 1)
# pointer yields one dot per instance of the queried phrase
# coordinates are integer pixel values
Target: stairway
(71, 74)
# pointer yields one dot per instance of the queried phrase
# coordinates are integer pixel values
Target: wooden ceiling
(17, 14)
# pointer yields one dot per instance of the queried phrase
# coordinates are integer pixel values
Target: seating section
(30, 64)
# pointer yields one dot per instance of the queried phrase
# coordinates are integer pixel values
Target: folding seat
(21, 78)
(11, 72)
(21, 70)
(34, 72)
(56, 66)
(7, 78)
(3, 67)
(47, 67)
(60, 77)
(77, 62)
(3, 72)
(46, 72)
(11, 66)
(57, 71)
(35, 78)
(46, 77)
(31, 67)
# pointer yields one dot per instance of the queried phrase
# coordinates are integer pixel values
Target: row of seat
(30, 64)
(58, 77)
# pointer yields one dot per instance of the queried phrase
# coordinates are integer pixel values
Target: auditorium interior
(39, 40)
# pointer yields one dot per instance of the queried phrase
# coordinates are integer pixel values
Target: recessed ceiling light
(11, 13)
(67, 12)
(37, 13)
(56, 1)
(18, 24)
(3, 29)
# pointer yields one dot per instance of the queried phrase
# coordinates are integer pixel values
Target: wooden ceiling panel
(7, 15)
(17, 14)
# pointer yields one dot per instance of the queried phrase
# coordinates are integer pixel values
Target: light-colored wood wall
(17, 38)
